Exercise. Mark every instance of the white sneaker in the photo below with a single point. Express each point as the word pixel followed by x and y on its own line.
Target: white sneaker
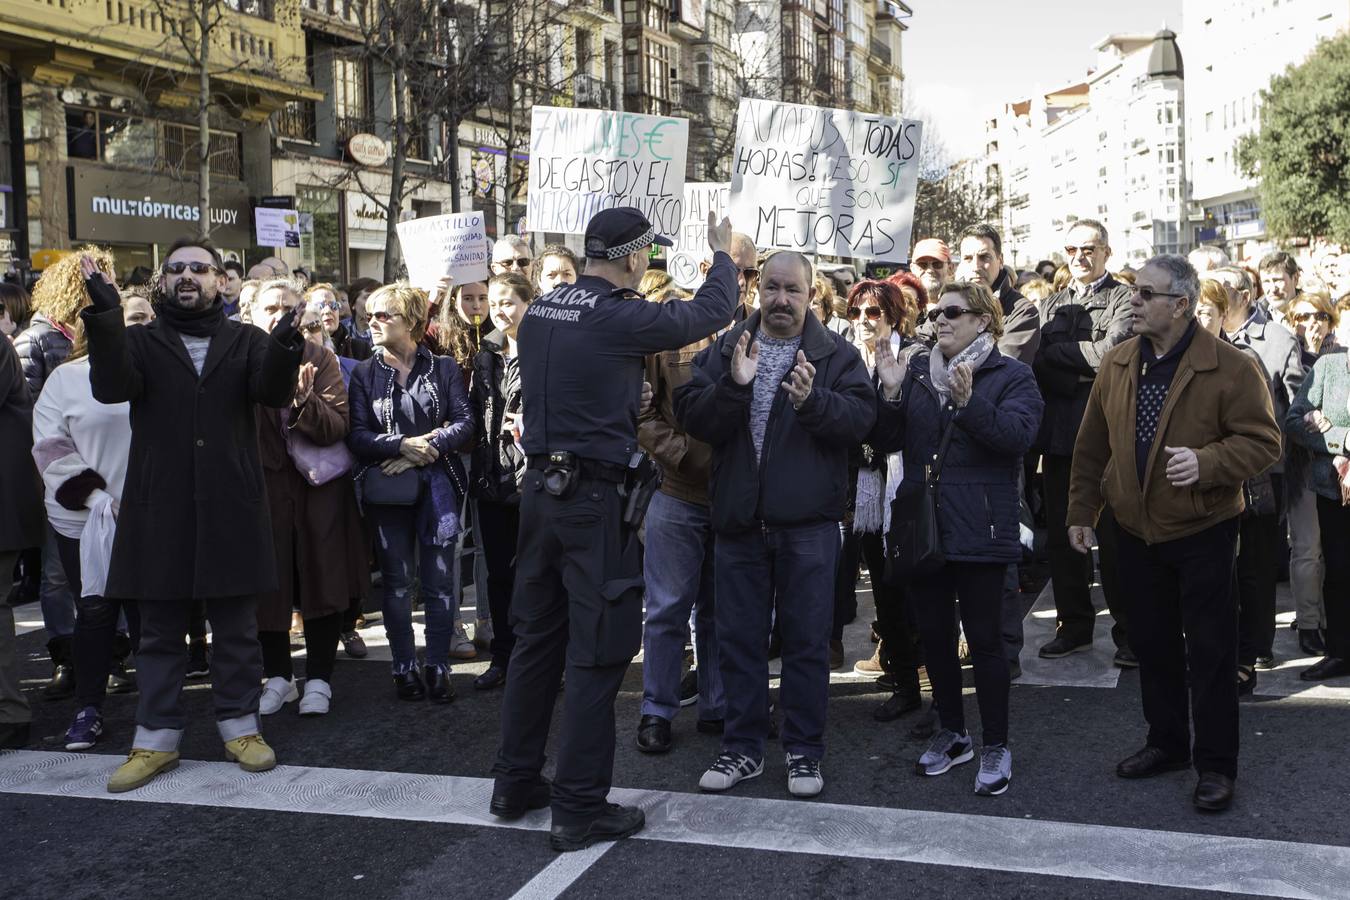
pixel 804 778
pixel 317 695
pixel 277 693
pixel 729 770
pixel 482 634
pixel 460 645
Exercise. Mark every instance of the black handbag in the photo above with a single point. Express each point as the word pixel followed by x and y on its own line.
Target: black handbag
pixel 380 489
pixel 914 545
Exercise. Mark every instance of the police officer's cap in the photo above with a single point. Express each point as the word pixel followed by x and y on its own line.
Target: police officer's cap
pixel 615 233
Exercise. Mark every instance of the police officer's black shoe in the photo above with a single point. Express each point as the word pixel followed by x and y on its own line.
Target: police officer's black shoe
pixel 439 688
pixel 513 806
pixel 614 824
pixel 409 685
pixel 653 735
pixel 495 676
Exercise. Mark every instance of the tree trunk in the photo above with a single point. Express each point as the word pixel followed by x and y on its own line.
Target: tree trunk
pixel 392 256
pixel 204 117
pixel 452 173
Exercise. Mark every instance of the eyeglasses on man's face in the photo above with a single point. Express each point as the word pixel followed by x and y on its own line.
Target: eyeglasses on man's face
pixel 196 268
pixel 1147 293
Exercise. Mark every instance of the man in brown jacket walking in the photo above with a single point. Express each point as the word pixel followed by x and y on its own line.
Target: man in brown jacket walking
pixel 1177 420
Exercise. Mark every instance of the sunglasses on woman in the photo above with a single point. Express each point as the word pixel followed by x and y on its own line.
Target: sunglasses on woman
pixel 1301 318
pixel 857 312
pixel 383 316
pixel 197 268
pixel 950 313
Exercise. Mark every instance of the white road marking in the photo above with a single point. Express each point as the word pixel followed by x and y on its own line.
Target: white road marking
pixel 1199 862
pixel 558 875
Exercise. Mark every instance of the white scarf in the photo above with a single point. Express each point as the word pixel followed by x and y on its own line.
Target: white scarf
pixel 975 354
pixel 872 506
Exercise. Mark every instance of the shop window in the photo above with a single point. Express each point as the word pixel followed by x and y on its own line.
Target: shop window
pixel 181 149
pixel 322 204
pixel 81 134
pixel 125 141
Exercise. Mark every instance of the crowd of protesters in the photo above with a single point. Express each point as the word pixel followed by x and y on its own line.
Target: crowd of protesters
pixel 1185 421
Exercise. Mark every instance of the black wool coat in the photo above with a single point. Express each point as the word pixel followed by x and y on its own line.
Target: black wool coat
pixel 194 518
pixel 21 512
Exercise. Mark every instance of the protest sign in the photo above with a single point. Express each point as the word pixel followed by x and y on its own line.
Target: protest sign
pixel 454 244
pixel 586 160
pixel 828 181
pixel 276 227
pixel 691 240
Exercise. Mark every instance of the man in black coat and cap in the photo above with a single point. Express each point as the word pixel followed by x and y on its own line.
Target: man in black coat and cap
pixel 192 377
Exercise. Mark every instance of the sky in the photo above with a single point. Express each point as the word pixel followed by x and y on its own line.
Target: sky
pixel 963 59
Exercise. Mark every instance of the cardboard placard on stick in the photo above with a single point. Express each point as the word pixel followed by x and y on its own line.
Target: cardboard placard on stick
pixel 586 160
pixel 454 244
pixel 827 181
pixel 691 240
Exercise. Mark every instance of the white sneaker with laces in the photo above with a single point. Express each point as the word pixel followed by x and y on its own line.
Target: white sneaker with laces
pixel 277 693
pixel 804 778
pixel 729 770
pixel 318 694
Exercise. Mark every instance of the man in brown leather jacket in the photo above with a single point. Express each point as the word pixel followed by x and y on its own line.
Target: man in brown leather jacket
pixel 679 543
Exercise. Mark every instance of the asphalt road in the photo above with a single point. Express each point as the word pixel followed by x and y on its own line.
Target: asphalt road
pixel 386 799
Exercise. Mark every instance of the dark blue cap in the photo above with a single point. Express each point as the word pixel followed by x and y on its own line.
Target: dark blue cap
pixel 615 233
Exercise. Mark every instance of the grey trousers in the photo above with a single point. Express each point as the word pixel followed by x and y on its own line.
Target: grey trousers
pixel 1306 567
pixel 161 664
pixel 13 704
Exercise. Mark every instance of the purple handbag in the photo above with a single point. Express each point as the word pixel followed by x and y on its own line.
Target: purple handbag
pixel 318 465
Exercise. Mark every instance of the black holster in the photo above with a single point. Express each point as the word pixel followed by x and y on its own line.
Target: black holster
pixel 640 485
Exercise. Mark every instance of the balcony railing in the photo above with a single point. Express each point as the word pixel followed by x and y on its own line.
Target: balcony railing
pixel 881 51
pixel 350 125
pixel 594 93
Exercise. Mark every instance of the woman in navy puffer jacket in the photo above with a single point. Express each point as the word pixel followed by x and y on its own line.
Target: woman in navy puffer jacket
pixel 994 407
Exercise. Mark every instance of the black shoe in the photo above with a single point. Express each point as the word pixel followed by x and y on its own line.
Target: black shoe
pixel 926 725
pixel 1149 762
pixel 354 645
pixel 898 704
pixel 886 682
pixel 120 681
pixel 614 824
pixel 495 676
pixel 409 685
pixel 1062 646
pixel 14 735
pixel 62 683
pixel 1310 642
pixel 711 726
pixel 536 796
pixel 1327 667
pixel 1246 680
pixel 439 688
pixel 653 735
pixel 689 688
pixel 1266 661
pixel 1125 659
pixel 1214 793
pixel 199 664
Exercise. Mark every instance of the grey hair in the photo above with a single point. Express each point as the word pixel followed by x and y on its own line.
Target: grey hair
pixel 1244 281
pixel 1183 278
pixel 514 241
pixel 1208 254
pixel 1094 225
pixel 805 263
pixel 282 284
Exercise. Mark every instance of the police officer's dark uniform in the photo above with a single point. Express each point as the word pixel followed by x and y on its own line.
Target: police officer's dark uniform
pixel 578 591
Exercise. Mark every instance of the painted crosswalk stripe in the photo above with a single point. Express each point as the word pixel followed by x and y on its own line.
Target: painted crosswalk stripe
pixel 1198 862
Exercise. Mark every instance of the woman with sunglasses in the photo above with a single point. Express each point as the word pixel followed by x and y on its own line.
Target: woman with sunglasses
pixel 410 418
pixel 1314 319
pixel 881 313
pixel 990 408
pixel 323 299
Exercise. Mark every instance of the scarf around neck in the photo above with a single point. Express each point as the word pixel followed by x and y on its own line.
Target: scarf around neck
pixel 196 322
pixel 941 373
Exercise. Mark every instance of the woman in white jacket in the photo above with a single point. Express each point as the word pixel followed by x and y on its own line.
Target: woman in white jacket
pixel 81 447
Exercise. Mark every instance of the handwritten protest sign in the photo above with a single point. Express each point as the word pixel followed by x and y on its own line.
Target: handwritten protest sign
pixel 586 160
pixel 276 227
pixel 825 180
pixel 436 246
pixel 691 240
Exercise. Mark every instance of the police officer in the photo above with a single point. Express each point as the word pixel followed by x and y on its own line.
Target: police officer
pixel 578 593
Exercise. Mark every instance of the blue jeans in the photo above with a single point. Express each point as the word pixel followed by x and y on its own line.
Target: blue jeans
pixel 54 594
pixel 402 560
pixel 679 543
pixel 798 565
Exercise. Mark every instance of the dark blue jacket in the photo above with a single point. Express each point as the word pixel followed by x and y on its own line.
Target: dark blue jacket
pixel 978 506
pixel 802 477
pixel 370 394
pixel 583 349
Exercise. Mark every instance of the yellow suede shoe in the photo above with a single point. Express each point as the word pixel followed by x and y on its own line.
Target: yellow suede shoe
pixel 252 753
pixel 140 767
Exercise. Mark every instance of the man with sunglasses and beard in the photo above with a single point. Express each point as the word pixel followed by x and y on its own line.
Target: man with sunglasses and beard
pixel 1078 326
pixel 192 377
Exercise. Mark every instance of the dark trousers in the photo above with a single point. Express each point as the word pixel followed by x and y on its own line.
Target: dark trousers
pixel 1258 564
pixel 896 626
pixel 95 630
pixel 846 582
pixel 321 640
pixel 1070 571
pixel 1010 621
pixel 1185 629
pixel 14 708
pixel 1334 520
pixel 578 604
pixel 979 588
pixel 798 566
pixel 161 660
pixel 499 531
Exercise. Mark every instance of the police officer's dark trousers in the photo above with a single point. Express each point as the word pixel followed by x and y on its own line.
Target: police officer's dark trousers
pixel 577 603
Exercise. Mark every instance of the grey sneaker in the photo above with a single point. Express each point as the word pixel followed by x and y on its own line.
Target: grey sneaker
pixel 804 778
pixel 946 749
pixel 729 770
pixel 995 771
